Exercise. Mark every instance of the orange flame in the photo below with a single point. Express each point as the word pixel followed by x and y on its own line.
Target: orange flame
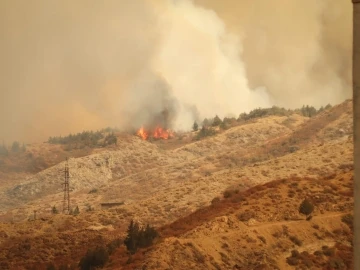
pixel 143 133
pixel 157 133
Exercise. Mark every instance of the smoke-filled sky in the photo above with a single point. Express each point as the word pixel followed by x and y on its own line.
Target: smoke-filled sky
pixel 68 66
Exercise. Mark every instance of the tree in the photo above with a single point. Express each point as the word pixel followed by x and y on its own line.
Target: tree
pixel 131 240
pixel 54 210
pixel 3 150
pixel 206 123
pixel 306 207
pixel 217 121
pixel 94 258
pixel 76 211
pixel 110 139
pixel 15 147
pixel 139 237
pixel 23 148
pixel 195 126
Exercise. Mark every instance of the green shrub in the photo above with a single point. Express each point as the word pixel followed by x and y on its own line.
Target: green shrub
pixel 94 258
pixel 295 240
pixel 205 132
pixel 306 207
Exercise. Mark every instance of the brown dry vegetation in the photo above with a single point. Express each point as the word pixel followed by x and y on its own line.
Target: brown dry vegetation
pixel 215 201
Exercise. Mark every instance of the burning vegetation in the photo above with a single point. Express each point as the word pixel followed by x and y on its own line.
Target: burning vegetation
pixel 156 133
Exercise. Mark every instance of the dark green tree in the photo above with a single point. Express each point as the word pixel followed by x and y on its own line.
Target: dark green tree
pixel 206 123
pixel 110 139
pixel 139 237
pixel 217 121
pixel 306 207
pixel 76 211
pixel 3 150
pixel 94 258
pixel 195 126
pixel 54 210
pixel 15 147
pixel 131 240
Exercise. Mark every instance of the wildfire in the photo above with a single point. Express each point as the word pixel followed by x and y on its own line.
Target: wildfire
pixel 143 133
pixel 157 133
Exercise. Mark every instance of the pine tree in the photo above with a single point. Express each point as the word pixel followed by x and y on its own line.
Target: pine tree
pixel 217 121
pixel 131 240
pixel 54 210
pixel 195 126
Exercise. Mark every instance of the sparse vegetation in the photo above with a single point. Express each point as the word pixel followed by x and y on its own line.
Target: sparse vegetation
pixel 86 139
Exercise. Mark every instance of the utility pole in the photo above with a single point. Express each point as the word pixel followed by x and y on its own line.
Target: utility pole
pixel 66 202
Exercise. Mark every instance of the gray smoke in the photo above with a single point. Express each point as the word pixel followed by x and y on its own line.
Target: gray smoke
pixel 74 65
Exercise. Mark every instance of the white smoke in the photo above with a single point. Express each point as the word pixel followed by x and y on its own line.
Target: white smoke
pixel 74 65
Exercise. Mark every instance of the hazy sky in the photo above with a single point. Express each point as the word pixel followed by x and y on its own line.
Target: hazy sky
pixel 68 65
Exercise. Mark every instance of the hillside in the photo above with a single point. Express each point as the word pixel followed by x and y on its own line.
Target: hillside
pixel 260 228
pixel 158 182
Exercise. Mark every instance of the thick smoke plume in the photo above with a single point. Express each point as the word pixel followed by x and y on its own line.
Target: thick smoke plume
pixel 74 65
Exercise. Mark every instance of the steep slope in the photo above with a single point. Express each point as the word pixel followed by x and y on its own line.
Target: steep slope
pixel 259 228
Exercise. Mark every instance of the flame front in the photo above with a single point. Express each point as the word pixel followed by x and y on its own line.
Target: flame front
pixel 157 133
pixel 143 133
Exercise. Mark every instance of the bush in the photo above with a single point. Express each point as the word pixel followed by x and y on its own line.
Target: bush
pixel 246 216
pixel 110 139
pixel 94 258
pixel 205 132
pixel 50 266
pixel 306 207
pixel 214 201
pixel 295 240
pixel 348 219
pixel 195 126
pixel 227 194
pixel 113 245
pixel 292 261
